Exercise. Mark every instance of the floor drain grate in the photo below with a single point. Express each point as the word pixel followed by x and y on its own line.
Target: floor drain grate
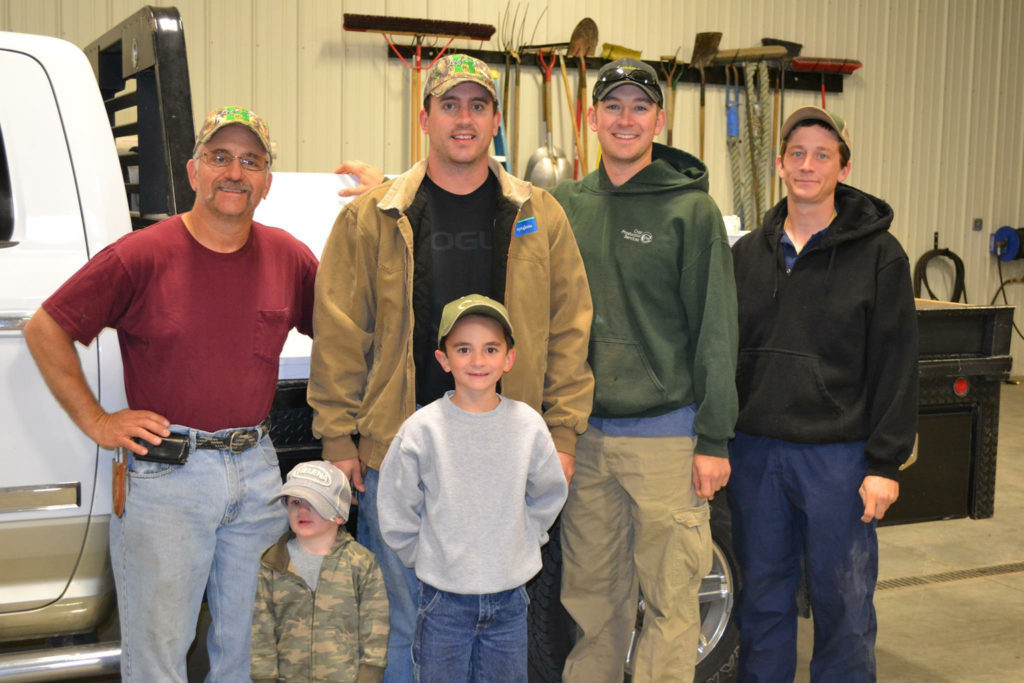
pixel 960 575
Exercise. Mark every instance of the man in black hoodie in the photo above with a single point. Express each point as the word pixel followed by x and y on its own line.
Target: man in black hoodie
pixel 827 382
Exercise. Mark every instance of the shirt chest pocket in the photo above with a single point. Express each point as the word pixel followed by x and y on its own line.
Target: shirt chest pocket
pixel 271 330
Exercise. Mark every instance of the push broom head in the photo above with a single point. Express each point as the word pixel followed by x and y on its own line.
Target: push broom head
pixel 407 26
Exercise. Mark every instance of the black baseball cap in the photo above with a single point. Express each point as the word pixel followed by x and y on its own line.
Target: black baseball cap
pixel 628 71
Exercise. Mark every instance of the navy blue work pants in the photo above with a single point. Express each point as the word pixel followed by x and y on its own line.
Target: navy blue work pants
pixel 792 502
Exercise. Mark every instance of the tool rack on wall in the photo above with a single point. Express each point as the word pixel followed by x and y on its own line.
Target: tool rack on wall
pixel 713 75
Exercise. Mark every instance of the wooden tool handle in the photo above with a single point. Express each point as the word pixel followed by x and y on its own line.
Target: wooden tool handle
pixel 414 126
pixel 575 128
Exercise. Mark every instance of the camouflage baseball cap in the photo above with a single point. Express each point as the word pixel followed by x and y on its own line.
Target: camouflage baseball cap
pixel 226 116
pixel 472 304
pixel 451 70
pixel 320 484
pixel 830 119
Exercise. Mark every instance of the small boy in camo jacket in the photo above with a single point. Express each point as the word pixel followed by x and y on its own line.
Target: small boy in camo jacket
pixel 321 610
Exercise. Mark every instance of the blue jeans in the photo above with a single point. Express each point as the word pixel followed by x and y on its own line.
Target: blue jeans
pixel 479 638
pixel 794 504
pixel 189 528
pixel 399 580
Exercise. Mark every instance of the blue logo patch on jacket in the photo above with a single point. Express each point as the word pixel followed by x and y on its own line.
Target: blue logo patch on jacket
pixel 525 227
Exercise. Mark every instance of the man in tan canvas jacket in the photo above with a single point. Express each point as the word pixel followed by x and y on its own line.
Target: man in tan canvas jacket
pixel 454 221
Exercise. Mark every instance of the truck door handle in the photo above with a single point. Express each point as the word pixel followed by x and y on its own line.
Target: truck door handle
pixel 40 497
pixel 14 321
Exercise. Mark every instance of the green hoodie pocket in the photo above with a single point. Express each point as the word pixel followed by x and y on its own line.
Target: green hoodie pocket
pixel 625 383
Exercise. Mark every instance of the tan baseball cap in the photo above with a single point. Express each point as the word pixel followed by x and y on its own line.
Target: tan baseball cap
pixel 229 116
pixel 320 484
pixel 831 119
pixel 473 304
pixel 452 70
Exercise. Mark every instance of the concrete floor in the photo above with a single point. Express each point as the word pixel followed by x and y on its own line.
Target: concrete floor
pixel 951 593
pixel 965 621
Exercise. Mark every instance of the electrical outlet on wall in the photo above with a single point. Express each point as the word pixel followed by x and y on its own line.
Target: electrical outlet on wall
pixel 978 224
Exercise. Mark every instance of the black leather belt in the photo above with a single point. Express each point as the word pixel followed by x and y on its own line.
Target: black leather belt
pixel 235 441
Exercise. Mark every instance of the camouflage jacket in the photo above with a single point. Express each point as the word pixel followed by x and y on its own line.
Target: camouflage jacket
pixel 338 633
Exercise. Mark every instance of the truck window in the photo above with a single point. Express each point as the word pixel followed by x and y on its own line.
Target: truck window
pixel 6 204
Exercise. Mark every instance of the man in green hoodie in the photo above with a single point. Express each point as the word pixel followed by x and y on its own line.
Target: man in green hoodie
pixel 663 351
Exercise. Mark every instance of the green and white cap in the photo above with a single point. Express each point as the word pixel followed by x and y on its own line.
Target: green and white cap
pixel 452 70
pixel 230 116
pixel 472 304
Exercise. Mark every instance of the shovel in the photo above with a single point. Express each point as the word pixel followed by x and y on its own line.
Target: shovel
pixel 582 44
pixel 547 166
pixel 705 46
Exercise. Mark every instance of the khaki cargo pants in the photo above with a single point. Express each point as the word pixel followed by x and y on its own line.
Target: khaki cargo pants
pixel 632 517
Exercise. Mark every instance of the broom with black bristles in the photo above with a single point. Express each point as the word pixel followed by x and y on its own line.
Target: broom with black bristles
pixel 419 29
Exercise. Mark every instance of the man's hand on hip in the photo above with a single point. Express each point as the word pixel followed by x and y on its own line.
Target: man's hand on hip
pixel 710 474
pixel 878 493
pixel 111 430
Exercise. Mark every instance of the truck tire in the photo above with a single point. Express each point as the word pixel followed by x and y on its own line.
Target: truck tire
pixel 552 632
pixel 719 648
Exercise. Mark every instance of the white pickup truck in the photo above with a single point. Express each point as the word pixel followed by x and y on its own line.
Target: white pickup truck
pixel 61 198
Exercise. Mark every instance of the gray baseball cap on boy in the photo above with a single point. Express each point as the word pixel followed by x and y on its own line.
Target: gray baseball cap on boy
pixel 320 484
pixel 473 304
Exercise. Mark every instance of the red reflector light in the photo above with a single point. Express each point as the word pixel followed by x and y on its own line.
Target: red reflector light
pixel 960 386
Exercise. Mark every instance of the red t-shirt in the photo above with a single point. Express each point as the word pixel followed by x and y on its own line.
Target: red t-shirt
pixel 200 331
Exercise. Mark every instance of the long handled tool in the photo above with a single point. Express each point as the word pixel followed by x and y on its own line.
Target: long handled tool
pixel 792 50
pixel 582 44
pixel 705 45
pixel 824 65
pixel 515 117
pixel 741 200
pixel 749 54
pixel 547 166
pixel 507 34
pixel 418 29
pixel 581 165
pixel 671 79
pixel 581 98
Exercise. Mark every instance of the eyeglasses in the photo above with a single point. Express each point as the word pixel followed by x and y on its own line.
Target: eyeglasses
pixel 248 162
pixel 641 77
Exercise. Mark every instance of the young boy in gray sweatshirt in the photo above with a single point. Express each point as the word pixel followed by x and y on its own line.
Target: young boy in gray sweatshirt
pixel 468 490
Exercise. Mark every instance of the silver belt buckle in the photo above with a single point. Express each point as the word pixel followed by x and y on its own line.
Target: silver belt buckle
pixel 240 446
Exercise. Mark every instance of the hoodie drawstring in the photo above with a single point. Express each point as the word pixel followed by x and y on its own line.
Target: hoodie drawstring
pixel 775 279
pixel 828 273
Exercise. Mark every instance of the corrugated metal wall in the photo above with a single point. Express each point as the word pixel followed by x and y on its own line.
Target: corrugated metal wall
pixel 936 111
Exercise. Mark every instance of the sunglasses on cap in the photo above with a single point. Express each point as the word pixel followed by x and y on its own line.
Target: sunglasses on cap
pixel 619 75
